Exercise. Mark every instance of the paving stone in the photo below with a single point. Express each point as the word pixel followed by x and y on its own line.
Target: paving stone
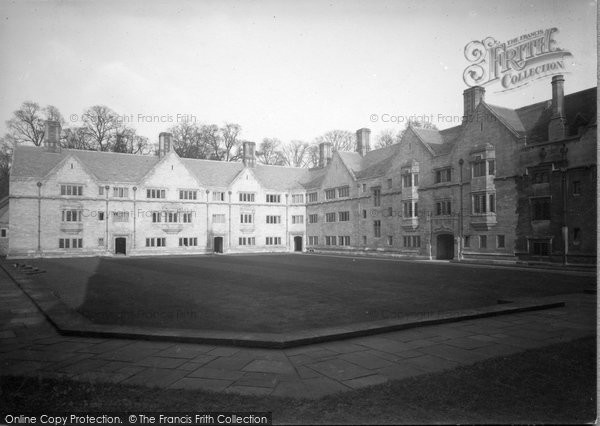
pixel 322 386
pixel 83 366
pixel 362 382
pixel 452 353
pixel 386 345
pixel 300 359
pixel 236 362
pixel 191 365
pixel 213 373
pixel 203 359
pixel 467 343
pixel 125 354
pixel 223 351
pixel 156 377
pixel 321 354
pixel 431 363
pixel 184 351
pixel 193 383
pixel 266 380
pixel 7 334
pixel 107 346
pixel 159 362
pixel 367 359
pixel 307 373
pixel 268 366
pixel 340 369
pixel 343 347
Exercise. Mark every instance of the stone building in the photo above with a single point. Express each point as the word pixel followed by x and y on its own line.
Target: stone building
pixel 506 184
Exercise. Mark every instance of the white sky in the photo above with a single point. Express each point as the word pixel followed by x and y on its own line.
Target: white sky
pixel 285 69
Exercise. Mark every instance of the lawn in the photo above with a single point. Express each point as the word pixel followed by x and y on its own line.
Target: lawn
pixel 278 293
pixel 552 385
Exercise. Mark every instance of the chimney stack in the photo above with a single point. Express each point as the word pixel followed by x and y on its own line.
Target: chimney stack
pixel 52 136
pixel 362 141
pixel 324 154
pixel 165 144
pixel 557 126
pixel 472 97
pixel 249 158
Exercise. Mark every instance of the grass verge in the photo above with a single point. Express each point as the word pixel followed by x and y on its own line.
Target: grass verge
pixel 555 384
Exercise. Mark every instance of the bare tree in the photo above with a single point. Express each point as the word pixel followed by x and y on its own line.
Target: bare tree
pixel 6 151
pixel 101 124
pixel 188 141
pixel 385 138
pixel 341 140
pixel 422 124
pixel 230 138
pixel 312 156
pixel 269 152
pixel 27 125
pixel 294 153
pixel 128 141
pixel 210 137
pixel 75 138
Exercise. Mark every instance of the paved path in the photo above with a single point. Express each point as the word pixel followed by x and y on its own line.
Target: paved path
pixel 29 345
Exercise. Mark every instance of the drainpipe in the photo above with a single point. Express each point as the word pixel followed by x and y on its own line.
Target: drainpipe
pixel 460 213
pixel 39 230
pixel 430 217
pixel 287 233
pixel 229 233
pixel 565 228
pixel 207 213
pixel 134 215
pixel 106 188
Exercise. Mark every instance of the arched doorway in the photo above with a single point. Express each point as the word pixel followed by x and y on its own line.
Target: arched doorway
pixel 218 245
pixel 445 246
pixel 120 245
pixel 297 243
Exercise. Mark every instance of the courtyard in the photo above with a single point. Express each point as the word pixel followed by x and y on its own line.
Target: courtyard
pixel 282 292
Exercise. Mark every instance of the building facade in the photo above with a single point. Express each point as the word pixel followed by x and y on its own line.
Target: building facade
pixel 506 184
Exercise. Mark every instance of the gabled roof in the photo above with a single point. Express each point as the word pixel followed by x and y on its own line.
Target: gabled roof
pixel 281 178
pixel 579 110
pixel 218 174
pixel 37 162
pixel 509 117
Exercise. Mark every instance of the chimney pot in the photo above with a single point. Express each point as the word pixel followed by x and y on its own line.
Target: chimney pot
pixel 165 144
pixel 249 158
pixel 362 141
pixel 52 136
pixel 472 97
pixel 324 154
pixel 557 126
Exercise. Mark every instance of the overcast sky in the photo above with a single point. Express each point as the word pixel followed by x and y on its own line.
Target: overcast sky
pixel 285 69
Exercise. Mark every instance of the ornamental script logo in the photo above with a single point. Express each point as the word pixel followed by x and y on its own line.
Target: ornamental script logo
pixel 515 63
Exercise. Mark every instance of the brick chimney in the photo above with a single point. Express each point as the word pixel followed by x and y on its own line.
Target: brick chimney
pixel 325 155
pixel 362 141
pixel 472 97
pixel 249 157
pixel 557 126
pixel 52 136
pixel 165 144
